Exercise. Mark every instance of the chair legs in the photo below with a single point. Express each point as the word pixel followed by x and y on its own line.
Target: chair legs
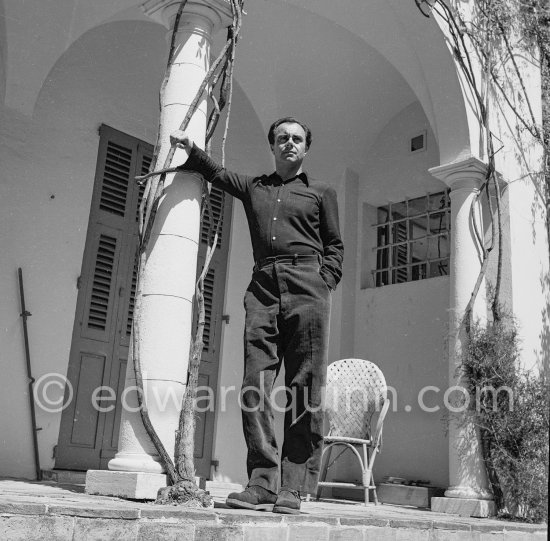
pixel 368 481
pixel 374 490
pixel 324 469
pixel 365 463
pixel 365 472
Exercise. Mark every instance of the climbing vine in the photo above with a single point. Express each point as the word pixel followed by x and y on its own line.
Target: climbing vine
pixel 219 78
pixel 487 49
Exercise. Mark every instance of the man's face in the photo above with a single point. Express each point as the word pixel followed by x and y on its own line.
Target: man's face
pixel 290 144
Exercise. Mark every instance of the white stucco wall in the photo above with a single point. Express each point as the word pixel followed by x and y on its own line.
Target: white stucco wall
pixel 402 327
pixel 48 167
pixel 525 279
pixel 530 274
pixel 520 164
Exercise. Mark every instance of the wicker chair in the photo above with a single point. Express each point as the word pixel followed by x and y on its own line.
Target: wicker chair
pixel 356 398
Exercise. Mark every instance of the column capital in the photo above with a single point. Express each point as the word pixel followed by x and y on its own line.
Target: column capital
pixel 217 12
pixel 468 173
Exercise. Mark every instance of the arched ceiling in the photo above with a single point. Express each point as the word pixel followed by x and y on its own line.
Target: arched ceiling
pixel 294 62
pixel 38 32
pixel 416 47
pixel 345 67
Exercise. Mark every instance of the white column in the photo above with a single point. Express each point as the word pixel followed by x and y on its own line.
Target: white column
pixel 468 492
pixel 170 271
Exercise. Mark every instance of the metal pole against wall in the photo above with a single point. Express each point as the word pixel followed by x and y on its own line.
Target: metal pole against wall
pixel 25 314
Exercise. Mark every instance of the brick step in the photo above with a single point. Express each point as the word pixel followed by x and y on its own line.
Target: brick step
pixel 66 477
pixel 40 521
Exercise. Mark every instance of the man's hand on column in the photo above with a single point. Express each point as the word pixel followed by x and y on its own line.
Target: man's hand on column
pixel 181 139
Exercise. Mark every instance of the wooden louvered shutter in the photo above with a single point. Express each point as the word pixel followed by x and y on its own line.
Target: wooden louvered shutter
pixel 144 156
pixel 208 305
pixel 132 302
pixel 217 204
pixel 142 153
pixel 102 280
pixel 98 315
pixel 114 189
pixel 111 208
pixel 101 335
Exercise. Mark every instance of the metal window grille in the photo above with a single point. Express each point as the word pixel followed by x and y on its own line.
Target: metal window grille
pixel 413 239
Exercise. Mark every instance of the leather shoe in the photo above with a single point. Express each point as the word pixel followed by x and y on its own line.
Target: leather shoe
pixel 253 497
pixel 288 502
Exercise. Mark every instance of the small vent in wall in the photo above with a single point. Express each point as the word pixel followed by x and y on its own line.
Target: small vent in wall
pixel 418 142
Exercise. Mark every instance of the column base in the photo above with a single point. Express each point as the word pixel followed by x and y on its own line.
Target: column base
pixel 465 507
pixel 125 484
pixel 136 462
pixel 468 493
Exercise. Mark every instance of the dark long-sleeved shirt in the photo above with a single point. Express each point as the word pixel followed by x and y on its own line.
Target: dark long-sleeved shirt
pixel 298 216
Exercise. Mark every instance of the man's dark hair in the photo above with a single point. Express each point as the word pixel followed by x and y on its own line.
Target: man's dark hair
pixel 288 120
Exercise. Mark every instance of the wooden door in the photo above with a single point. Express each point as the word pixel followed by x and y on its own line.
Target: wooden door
pixel 88 435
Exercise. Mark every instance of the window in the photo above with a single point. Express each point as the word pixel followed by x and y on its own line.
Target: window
pixel 413 239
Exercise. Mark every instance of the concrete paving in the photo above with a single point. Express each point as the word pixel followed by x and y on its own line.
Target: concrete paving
pixel 50 511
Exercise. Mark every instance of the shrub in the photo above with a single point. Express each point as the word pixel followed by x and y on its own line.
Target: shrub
pixel 512 413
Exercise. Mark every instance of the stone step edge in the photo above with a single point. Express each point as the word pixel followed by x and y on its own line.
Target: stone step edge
pixel 69 528
pixel 166 514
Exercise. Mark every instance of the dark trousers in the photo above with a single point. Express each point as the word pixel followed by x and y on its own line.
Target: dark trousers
pixel 287 320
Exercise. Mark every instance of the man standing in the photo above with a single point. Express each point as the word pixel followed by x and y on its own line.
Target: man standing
pixel 298 252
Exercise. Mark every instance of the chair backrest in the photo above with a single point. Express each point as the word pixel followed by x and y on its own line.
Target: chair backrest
pixel 356 389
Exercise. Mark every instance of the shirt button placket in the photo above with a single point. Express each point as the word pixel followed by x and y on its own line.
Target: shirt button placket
pixel 274 236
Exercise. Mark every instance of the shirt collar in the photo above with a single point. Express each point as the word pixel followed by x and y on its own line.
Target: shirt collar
pixel 303 176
